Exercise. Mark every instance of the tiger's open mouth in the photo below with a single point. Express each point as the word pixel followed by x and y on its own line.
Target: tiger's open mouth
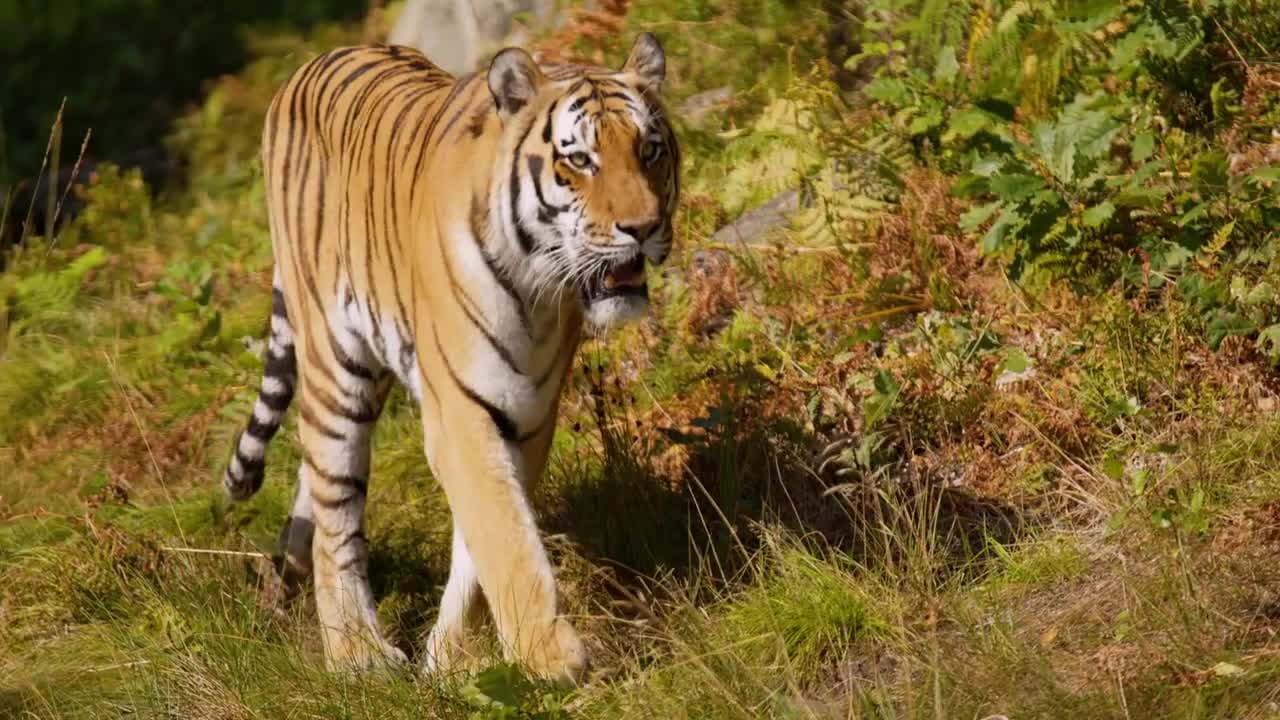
pixel 623 279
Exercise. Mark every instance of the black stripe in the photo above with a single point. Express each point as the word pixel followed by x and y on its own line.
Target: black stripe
pixel 465 302
pixel 359 416
pixel 319 211
pixel 260 430
pixel 503 280
pixel 334 504
pixel 347 538
pixel 330 72
pixel 546 128
pixel 507 428
pixel 391 162
pixel 444 132
pixel 350 77
pixel 535 169
pixel 526 240
pixel 316 363
pixel 353 482
pixel 546 374
pixel 347 362
pixel 425 145
pixel 576 105
pixel 357 117
pixel 309 417
pixel 277 303
pixel 295 89
pixel 284 365
pixel 252 467
pixel 306 158
pixel 276 402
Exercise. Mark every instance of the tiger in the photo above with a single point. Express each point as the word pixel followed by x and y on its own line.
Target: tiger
pixel 457 236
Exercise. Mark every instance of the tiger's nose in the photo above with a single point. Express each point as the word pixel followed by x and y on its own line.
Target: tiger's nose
pixel 638 231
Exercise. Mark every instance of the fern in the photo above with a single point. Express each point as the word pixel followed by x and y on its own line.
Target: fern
pixel 937 24
pixel 836 206
pixel 49 297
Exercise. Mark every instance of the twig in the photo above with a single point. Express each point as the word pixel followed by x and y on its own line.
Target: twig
pixel 880 314
pixel 155 466
pixel 213 551
pixel 120 666
pixel 51 188
pixel 44 162
pixel 75 173
pixel 796 249
pixel 1248 71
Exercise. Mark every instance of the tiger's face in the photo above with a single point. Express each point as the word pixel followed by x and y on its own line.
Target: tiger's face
pixel 593 181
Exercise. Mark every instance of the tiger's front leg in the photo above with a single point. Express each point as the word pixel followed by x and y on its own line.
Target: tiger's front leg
pixel 484 478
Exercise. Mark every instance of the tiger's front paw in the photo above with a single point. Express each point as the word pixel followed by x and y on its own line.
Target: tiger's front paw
pixel 447 651
pixel 558 655
pixel 363 652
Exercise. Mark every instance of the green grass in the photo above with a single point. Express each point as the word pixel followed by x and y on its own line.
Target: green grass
pixel 860 474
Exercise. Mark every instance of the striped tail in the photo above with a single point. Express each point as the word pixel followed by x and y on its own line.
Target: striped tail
pixel 244 472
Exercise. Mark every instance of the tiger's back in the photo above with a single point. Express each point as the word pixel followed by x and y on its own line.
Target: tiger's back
pixel 451 235
pixel 349 141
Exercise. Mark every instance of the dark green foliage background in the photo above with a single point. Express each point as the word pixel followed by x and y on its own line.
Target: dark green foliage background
pixel 126 67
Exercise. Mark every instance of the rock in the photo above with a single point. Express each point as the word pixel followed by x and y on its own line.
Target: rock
pixel 751 228
pixel 754 225
pixel 456 34
pixel 696 107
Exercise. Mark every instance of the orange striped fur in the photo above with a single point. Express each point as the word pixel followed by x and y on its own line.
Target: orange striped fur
pixel 453 235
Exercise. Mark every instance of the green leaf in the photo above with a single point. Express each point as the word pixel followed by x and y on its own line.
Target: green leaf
pixel 1144 146
pixel 967 123
pixel 1197 212
pixel 1221 96
pixel 500 686
pixel 998 233
pixel 975 217
pixel 1209 171
pixel 1174 256
pixel 889 91
pixel 1015 187
pixel 1015 361
pixel 986 165
pixel 1269 174
pixel 946 68
pixel 1095 216
pixel 1226 323
pixel 926 121
pixel 1268 342
pixel 1226 669
pixel 882 400
pixel 1113 467
pixel 1139 198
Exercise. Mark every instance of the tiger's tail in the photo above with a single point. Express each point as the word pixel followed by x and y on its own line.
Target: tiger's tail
pixel 245 470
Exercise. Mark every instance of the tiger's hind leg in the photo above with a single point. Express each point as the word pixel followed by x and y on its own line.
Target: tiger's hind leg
pixel 294 545
pixel 340 398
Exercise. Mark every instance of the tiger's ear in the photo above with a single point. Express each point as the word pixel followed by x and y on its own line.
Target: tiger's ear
pixel 514 79
pixel 647 61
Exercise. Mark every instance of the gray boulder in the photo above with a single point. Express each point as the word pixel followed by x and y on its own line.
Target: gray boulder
pixel 457 34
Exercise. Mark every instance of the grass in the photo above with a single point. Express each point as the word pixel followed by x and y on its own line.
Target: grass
pixel 855 473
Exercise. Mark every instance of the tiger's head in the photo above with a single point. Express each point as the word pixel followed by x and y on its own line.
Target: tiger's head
pixel 591 178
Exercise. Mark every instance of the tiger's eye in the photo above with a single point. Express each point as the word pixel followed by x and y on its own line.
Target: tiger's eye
pixel 650 152
pixel 580 160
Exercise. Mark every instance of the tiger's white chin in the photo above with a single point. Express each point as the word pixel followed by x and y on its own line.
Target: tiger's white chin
pixel 605 313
